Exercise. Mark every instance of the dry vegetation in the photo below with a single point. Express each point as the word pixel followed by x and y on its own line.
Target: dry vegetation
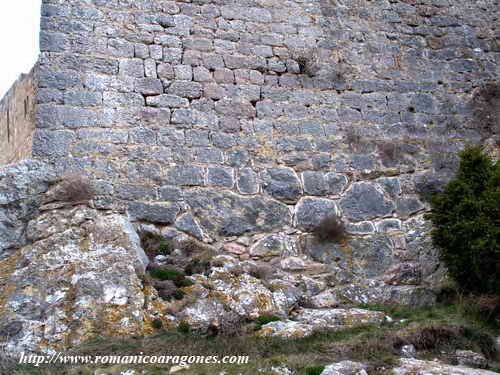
pixel 74 188
pixel 331 228
pixel 435 332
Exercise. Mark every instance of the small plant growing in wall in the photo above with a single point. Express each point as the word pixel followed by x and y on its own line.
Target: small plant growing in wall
pixel 154 244
pixel 308 60
pixel 73 188
pixel 466 218
pixel 331 228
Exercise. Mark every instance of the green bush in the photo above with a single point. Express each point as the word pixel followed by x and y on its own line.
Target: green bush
pixel 178 294
pixel 166 274
pixel 164 247
pixel 264 319
pixel 180 283
pixel 466 218
pixel 157 324
pixel 184 327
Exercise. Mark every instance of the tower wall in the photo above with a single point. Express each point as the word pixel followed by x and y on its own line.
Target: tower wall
pixel 243 118
pixel 17 120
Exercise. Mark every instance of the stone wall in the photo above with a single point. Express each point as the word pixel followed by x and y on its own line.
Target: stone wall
pixel 232 118
pixel 17 123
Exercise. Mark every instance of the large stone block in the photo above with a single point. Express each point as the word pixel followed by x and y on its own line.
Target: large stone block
pixel 363 201
pixel 162 213
pixel 220 177
pixel 186 89
pixel 228 214
pixel 309 212
pixel 190 175
pixel 282 184
pixel 47 143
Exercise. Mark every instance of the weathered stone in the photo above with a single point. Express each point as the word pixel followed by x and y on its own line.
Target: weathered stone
pixel 148 86
pixel 318 183
pixel 248 181
pixel 309 212
pixel 345 368
pixel 389 225
pixel 364 256
pixel 407 207
pixel 187 223
pixel 235 248
pixel 229 214
pixel 307 321
pixel 167 101
pixel 410 366
pixel 377 292
pixel 221 177
pixel 185 89
pixel 238 108
pixel 189 175
pixel 403 274
pixel 471 359
pixel 364 227
pixel 153 212
pixel 282 184
pixel 132 67
pixel 408 351
pixel 21 189
pixel 363 201
pixel 273 245
pixel 88 246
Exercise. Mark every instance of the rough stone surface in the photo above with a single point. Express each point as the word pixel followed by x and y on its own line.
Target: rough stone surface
pixel 311 211
pixel 308 321
pixel 345 368
pixel 415 366
pixel 228 214
pixel 377 292
pixel 21 195
pixel 80 277
pixel 213 118
pixel 364 202
pixel 282 184
pixel 368 256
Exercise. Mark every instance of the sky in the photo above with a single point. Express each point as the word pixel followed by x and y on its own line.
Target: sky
pixel 19 28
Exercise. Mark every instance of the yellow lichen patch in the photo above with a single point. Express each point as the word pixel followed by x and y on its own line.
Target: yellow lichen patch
pixel 118 322
pixel 223 298
pixel 148 325
pixel 264 302
pixel 84 244
pixel 7 268
pixel 264 332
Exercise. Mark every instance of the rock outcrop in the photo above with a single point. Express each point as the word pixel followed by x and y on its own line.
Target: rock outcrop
pixel 81 276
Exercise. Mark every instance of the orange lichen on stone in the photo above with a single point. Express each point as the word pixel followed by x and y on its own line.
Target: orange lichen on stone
pixel 7 268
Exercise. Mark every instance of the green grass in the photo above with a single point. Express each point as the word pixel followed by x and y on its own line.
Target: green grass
pixel 314 370
pixel 164 247
pixel 180 283
pixel 264 319
pixel 166 274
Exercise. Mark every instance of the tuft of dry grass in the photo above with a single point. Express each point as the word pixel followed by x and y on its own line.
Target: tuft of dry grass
pixel 331 228
pixel 74 188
